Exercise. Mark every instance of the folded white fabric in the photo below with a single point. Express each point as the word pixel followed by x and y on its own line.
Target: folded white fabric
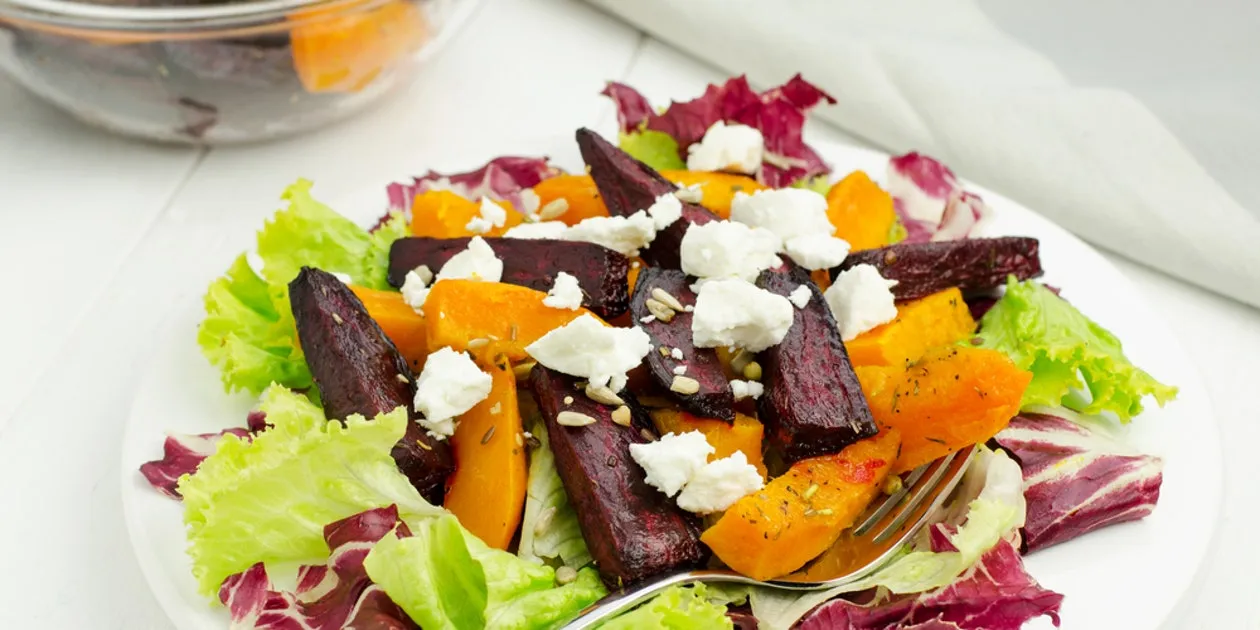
pixel 940 77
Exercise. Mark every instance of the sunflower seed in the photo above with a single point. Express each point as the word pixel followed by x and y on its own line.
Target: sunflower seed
pixel 573 419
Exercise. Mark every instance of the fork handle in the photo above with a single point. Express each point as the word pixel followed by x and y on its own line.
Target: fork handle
pixel 619 601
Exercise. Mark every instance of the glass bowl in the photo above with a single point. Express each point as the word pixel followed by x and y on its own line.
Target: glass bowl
pixel 219 72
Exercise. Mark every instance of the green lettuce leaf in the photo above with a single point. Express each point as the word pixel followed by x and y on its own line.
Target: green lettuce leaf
pixel 654 148
pixel 267 500
pixel 1043 333
pixel 248 332
pixel 549 528
pixel 447 579
pixel 677 608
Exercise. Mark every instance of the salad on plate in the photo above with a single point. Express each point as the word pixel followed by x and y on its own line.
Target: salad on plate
pixel 523 389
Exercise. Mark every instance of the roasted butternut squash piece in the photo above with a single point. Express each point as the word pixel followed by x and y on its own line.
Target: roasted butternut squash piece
pixel 444 214
pixel 800 514
pixel 487 491
pixel 341 49
pixel 718 188
pixel 861 211
pixel 949 399
pixel 744 435
pixel 936 320
pixel 401 323
pixel 505 317
pixel 580 193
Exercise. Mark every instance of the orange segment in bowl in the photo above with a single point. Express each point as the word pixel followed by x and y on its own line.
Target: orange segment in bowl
pixel 343 49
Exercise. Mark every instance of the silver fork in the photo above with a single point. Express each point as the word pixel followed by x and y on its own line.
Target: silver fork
pixel 878 533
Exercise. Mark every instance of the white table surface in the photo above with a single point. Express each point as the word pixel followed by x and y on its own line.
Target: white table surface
pixel 100 236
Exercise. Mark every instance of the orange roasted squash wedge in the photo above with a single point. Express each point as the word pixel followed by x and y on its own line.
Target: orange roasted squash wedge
pixel 718 189
pixel 487 491
pixel 444 214
pixel 951 398
pixel 578 191
pixel 861 212
pixel 505 316
pixel 799 515
pixel 401 323
pixel 936 320
pixel 744 435
pixel 342 49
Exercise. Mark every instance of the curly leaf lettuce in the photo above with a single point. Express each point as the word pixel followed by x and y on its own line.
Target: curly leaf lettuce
pixel 678 608
pixel 654 148
pixel 549 528
pixel 267 500
pixel 447 579
pixel 248 332
pixel 1066 351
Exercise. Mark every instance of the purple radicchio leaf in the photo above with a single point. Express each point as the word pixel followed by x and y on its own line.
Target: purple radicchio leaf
pixel 1077 478
pixel 994 594
pixel 181 454
pixel 503 178
pixel 331 597
pixel 931 202
pixel 778 113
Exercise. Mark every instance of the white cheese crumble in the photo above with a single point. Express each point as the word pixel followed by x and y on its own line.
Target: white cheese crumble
pixel 546 229
pixel 672 460
pixel 565 293
pixel 816 251
pixel 449 385
pixel 676 354
pixel 665 210
pixel 861 300
pixel 799 297
pixel 736 313
pixel 690 194
pixel 623 234
pixel 788 212
pixel 720 484
pixel 588 349
pixel 721 249
pixel 491 215
pixel 415 288
pixel 747 389
pixel 478 262
pixel 343 277
pixel 727 148
pixel 680 370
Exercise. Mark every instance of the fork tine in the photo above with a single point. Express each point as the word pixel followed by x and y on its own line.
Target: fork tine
pixel 880 511
pixel 921 492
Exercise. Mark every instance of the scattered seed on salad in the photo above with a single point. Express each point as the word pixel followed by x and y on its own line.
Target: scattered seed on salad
pixel 634 264
pixel 667 298
pixel 573 419
pixel 513 331
pixel 402 378
pixel 647 435
pixel 520 440
pixel 688 308
pixel 565 575
pixel 893 485
pixel 489 434
pixel 825 512
pixel 752 371
pixel 659 309
pixel 479 342
pixel 568 400
pixel 611 462
pixel 809 492
pixel 647 319
pixel 621 416
pixel 496 409
pixel 337 318
pixel 689 194
pixel 522 370
pixel 664 350
pixel 553 209
pixel 424 446
pixel 684 385
pixel 676 354
pixel 604 395
pixel 740 359
pixel 532 441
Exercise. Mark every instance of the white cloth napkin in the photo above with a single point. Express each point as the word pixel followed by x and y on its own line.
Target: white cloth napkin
pixel 1054 107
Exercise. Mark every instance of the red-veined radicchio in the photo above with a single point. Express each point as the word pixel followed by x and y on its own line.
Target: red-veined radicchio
pixel 504 178
pixel 930 201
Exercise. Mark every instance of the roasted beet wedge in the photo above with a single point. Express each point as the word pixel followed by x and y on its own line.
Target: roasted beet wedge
pixel 633 530
pixel 813 404
pixel 974 264
pixel 532 263
pixel 714 399
pixel 628 186
pixel 358 370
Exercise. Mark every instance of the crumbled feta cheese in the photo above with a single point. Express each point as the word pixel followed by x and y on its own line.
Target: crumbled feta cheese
pixel 747 389
pixel 665 210
pixel 860 299
pixel 450 384
pixel 415 288
pixel 672 460
pixel 676 354
pixel 736 313
pixel 720 484
pixel 816 251
pixel 587 348
pixel 547 229
pixel 491 216
pixel 727 148
pixel 478 262
pixel 679 370
pixel 565 293
pixel 343 277
pixel 788 212
pixel 721 249
pixel 623 234
pixel 647 319
pixel 800 296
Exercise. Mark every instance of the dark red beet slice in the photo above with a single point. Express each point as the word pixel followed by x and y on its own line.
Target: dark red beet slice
pixel 813 404
pixel 358 370
pixel 628 186
pixel 714 400
pixel 532 263
pixel 633 530
pixel 974 264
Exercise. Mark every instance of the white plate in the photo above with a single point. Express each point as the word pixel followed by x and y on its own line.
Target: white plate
pixel 1127 576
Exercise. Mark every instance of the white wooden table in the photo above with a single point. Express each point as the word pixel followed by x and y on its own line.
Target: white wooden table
pixel 100 236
